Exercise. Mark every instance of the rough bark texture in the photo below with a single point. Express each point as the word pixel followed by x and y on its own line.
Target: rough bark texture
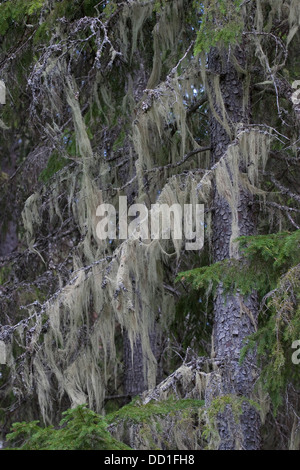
pixel 134 380
pixel 234 315
pixel 8 233
pixel 135 374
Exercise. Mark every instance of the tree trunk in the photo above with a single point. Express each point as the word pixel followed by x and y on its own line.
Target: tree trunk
pixel 8 224
pixel 135 367
pixel 234 315
pixel 134 381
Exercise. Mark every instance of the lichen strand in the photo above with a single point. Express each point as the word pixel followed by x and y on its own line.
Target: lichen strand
pixel 75 346
pixel 123 289
pixel 124 292
pixel 278 9
pixel 250 153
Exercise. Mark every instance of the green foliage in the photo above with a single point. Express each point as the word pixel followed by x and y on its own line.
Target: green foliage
pixel 83 429
pixel 264 259
pixel 270 265
pixel 164 424
pixel 221 23
pixel 42 33
pixel 278 251
pixel 4 274
pixel 73 10
pixel 274 339
pixel 138 413
pixel 158 5
pixel 56 162
pixel 67 9
pixel 109 9
pixel 16 12
pixel 80 429
pixel 119 141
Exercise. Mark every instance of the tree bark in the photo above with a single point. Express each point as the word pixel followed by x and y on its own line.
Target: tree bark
pixel 234 315
pixel 134 380
pixel 135 367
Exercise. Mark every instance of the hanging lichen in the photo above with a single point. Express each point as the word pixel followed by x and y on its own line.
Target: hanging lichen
pixel 120 98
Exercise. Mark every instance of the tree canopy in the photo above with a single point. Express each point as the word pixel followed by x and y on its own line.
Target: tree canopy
pixel 164 102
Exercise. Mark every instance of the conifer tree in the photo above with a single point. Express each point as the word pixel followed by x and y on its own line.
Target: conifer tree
pixel 164 102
